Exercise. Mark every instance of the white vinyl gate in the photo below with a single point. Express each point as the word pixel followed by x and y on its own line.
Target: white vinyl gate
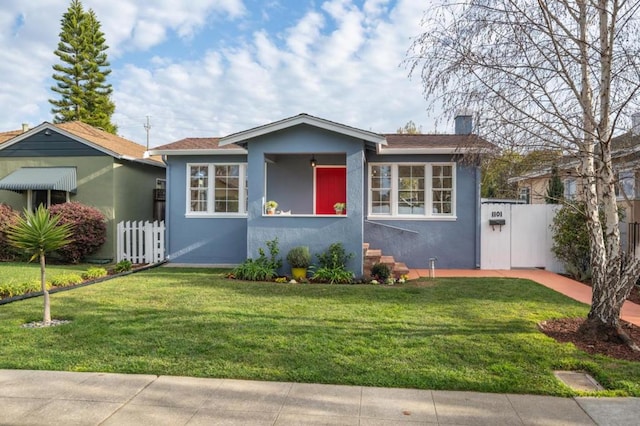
pixel 525 239
pixel 141 242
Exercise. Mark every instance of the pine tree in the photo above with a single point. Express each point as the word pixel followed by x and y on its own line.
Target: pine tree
pixel 81 76
pixel 555 190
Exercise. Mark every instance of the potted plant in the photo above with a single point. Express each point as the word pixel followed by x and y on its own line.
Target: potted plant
pixel 299 259
pixel 339 207
pixel 271 207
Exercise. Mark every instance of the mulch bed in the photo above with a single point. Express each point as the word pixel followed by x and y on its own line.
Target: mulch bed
pixel 565 330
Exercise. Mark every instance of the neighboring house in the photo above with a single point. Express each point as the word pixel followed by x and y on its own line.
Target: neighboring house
pixel 57 163
pixel 533 186
pixel 412 196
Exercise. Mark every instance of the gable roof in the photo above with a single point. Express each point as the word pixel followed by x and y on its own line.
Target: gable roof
pixel 5 136
pixel 100 140
pixel 383 143
pixel 241 138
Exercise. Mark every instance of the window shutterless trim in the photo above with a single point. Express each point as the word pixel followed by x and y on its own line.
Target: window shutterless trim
pixel 428 192
pixel 210 191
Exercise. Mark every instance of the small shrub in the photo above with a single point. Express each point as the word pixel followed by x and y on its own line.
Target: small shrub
pixel 64 280
pixel 299 257
pixel 253 270
pixel 89 230
pixel 263 268
pixel 571 241
pixel 123 266
pixel 333 266
pixel 7 217
pixel 333 275
pixel 334 257
pixel 380 272
pixel 94 273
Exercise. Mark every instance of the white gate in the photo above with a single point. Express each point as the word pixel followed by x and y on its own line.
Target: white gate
pixel 523 241
pixel 140 242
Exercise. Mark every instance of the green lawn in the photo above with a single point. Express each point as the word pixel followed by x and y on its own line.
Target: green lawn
pixel 19 272
pixel 463 334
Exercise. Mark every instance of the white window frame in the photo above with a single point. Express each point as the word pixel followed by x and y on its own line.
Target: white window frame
pixel 627 179
pixel 428 196
pixel 242 191
pixel 570 188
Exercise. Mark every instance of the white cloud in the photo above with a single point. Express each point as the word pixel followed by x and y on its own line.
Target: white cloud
pixel 336 60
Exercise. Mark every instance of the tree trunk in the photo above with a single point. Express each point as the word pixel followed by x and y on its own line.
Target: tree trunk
pixel 45 293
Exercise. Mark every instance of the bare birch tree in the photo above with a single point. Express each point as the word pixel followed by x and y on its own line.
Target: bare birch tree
pixel 556 74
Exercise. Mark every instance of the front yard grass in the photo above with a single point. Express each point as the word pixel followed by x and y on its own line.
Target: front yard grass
pixel 458 334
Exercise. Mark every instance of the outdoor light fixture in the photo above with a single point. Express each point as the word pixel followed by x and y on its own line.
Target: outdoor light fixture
pixel 313 161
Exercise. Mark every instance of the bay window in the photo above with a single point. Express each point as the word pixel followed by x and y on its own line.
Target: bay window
pixel 216 189
pixel 412 190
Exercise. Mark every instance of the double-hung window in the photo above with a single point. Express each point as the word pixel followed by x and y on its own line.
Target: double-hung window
pixel 216 189
pixel 412 190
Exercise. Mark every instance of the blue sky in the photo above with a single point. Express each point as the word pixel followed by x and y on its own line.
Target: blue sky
pixel 214 67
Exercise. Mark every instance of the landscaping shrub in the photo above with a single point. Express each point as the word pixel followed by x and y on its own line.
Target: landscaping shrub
pixel 7 216
pixel 299 257
pixel 571 241
pixel 89 230
pixel 335 257
pixel 333 266
pixel 64 280
pixel 380 272
pixel 18 288
pixel 94 273
pixel 263 268
pixel 123 266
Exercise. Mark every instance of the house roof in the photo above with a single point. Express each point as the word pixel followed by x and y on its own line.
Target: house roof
pixel 624 152
pixel 106 142
pixel 433 144
pixel 188 146
pixel 5 136
pixel 241 138
pixel 383 143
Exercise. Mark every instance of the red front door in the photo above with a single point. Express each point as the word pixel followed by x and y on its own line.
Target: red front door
pixel 331 188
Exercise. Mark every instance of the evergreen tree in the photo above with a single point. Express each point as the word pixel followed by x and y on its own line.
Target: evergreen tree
pixel 555 190
pixel 81 76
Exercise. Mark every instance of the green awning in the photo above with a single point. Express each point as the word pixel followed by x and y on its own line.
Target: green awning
pixel 55 178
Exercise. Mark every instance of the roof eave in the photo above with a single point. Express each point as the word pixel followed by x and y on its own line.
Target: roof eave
pixel 243 136
pixel 435 150
pixel 197 152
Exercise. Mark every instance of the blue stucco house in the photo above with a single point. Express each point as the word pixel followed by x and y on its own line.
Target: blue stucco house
pixel 414 197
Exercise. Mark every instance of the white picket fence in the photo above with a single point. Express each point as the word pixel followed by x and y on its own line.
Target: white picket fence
pixel 141 242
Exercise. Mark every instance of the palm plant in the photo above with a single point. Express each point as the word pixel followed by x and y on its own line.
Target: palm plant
pixel 36 234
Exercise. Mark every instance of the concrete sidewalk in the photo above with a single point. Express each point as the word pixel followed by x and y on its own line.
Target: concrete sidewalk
pixel 64 398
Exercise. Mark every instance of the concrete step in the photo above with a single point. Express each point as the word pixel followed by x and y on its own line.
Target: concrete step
pixel 400 269
pixel 373 253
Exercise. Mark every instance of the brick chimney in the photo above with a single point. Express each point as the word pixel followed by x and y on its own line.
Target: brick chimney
pixel 463 123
